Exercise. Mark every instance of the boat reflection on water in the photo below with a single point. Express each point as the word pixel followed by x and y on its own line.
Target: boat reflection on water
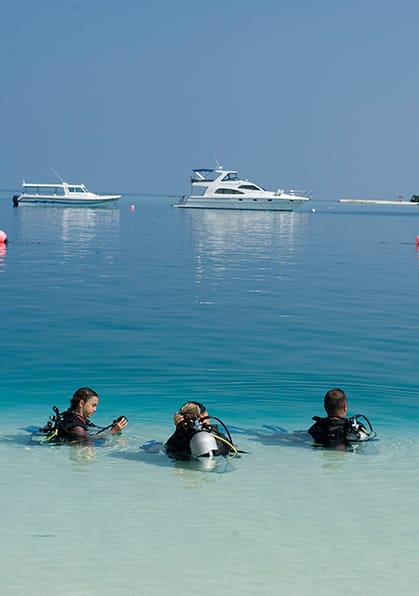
pixel 85 228
pixel 3 251
pixel 223 231
pixel 228 241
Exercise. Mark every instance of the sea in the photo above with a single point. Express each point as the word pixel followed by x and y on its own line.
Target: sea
pixel 254 314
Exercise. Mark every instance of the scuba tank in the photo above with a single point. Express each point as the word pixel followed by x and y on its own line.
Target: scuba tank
pixel 49 432
pixel 195 439
pixel 359 428
pixel 203 444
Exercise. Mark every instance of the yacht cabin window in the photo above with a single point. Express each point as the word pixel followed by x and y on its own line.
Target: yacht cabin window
pixel 230 176
pixel 249 187
pixel 228 191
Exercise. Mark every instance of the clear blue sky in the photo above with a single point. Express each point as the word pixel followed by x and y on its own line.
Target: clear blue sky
pixel 130 95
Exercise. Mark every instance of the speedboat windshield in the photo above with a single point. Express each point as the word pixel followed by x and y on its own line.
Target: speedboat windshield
pixel 77 189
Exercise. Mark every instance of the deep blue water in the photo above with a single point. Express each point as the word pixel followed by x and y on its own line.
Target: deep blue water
pixel 255 314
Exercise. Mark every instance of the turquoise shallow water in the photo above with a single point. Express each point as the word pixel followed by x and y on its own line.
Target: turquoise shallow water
pixel 256 315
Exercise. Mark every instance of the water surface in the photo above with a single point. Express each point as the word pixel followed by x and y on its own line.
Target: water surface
pixel 255 314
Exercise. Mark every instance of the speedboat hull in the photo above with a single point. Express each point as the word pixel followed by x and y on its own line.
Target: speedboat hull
pixel 33 200
pixel 62 193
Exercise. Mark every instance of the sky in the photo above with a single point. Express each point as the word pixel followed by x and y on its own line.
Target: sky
pixel 128 96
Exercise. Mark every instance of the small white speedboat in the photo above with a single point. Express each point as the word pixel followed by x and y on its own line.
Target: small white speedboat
pixel 61 194
pixel 222 189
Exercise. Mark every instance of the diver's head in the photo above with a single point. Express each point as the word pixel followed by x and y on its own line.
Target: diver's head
pixel 193 410
pixel 84 402
pixel 335 402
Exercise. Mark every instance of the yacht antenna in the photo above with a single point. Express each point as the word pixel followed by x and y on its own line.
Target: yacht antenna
pixel 217 163
pixel 58 176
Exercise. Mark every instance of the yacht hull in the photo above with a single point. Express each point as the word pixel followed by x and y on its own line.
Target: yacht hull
pixel 247 204
pixel 222 189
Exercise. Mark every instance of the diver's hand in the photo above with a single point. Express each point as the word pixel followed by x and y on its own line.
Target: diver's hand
pixel 119 424
pixel 178 418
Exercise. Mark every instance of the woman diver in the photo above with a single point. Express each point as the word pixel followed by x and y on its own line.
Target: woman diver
pixel 73 424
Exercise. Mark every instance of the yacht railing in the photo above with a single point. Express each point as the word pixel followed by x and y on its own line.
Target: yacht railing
pixel 301 193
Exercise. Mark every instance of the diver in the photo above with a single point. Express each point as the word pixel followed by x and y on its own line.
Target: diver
pixel 195 436
pixel 336 430
pixel 74 424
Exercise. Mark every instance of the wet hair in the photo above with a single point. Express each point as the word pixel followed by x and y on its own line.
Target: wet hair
pixel 189 404
pixel 192 409
pixel 84 393
pixel 334 402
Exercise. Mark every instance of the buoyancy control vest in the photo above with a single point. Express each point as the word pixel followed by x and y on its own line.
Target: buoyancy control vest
pixel 60 427
pixel 329 432
pixel 178 445
pixel 335 430
pixel 68 422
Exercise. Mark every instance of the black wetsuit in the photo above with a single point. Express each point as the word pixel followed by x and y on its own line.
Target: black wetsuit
pixel 178 444
pixel 331 431
pixel 67 424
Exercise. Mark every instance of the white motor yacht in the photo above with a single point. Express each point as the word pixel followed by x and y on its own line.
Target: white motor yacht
pixel 61 194
pixel 222 189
